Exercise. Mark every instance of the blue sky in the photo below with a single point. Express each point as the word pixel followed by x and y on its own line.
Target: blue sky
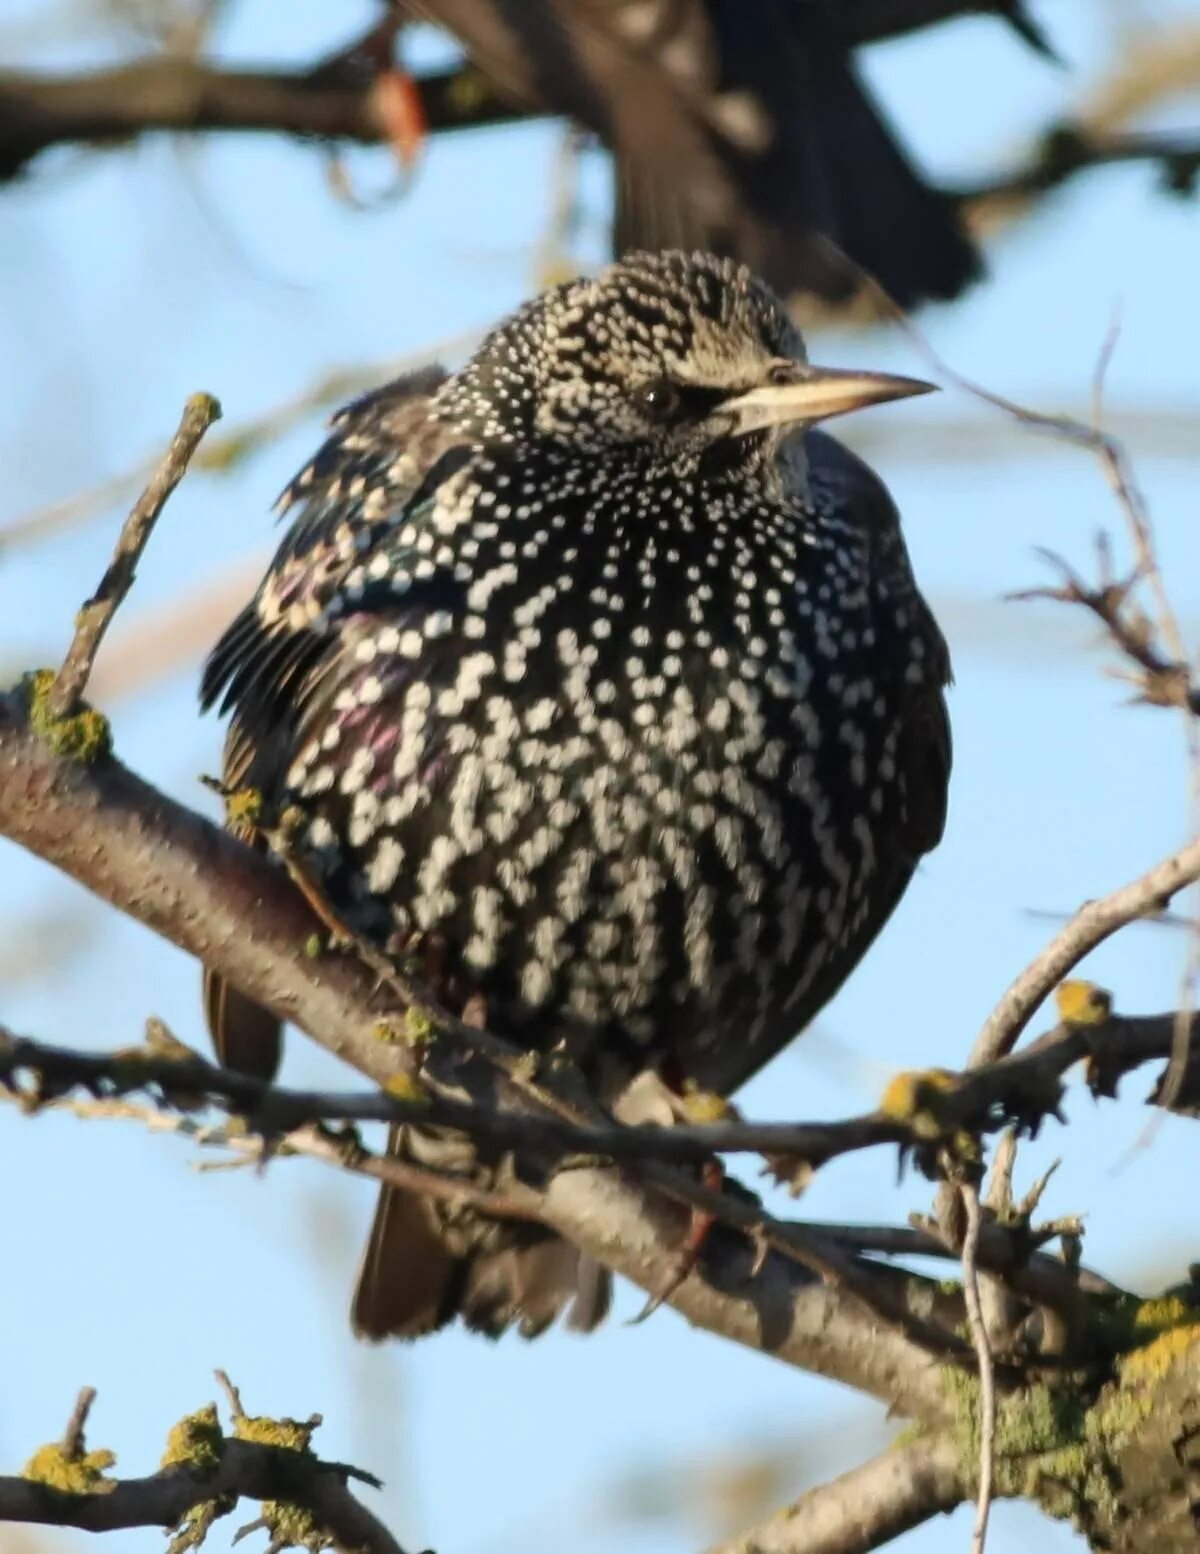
pixel 130 280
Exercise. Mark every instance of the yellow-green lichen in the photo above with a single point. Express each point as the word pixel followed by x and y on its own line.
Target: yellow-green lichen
pixel 83 1474
pixel 195 1443
pixel 1058 1447
pixel 1151 1361
pixel 314 947
pixel 406 1088
pixel 289 1525
pixel 1082 1003
pixel 203 404
pixel 1044 1448
pixel 703 1106
pixel 467 91
pixel 1128 1323
pixel 920 1097
pixel 83 736
pixel 244 808
pixel 419 1029
pixel 416 1029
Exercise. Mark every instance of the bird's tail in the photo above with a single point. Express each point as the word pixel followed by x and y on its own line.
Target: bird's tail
pixel 245 1036
pixel 430 1260
pixel 828 177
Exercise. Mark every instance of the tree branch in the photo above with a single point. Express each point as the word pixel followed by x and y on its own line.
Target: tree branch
pixel 229 1469
pixel 214 898
pixel 1091 925
pixel 94 619
pixel 1068 150
pixel 187 95
pixel 1023 1087
pixel 864 1508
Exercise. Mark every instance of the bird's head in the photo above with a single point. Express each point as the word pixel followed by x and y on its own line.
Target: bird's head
pixel 679 353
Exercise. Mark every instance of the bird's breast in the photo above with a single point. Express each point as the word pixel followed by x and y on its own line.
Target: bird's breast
pixel 630 771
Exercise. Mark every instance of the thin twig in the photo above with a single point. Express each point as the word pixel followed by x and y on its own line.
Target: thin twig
pixel 1024 1086
pixel 233 1396
pixel 73 1442
pixel 983 1352
pixel 229 449
pixel 96 615
pixel 1090 926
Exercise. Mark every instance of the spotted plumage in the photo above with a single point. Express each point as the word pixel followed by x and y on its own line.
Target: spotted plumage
pixel 595 666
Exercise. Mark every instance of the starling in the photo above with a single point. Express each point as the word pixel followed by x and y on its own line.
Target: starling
pixel 595 667
pixel 737 126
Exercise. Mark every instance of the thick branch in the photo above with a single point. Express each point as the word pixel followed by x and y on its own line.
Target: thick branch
pixel 864 1508
pixel 202 891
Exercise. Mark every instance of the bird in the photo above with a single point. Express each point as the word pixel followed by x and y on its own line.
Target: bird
pixel 743 129
pixel 596 673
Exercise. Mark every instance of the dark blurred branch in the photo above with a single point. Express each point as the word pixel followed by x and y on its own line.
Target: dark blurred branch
pixel 865 1508
pixel 342 102
pixel 184 95
pixel 874 21
pixel 1072 149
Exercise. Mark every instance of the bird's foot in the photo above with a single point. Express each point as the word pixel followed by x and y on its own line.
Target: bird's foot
pixel 690 1250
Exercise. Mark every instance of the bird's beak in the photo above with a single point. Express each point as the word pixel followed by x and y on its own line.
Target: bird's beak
pixel 796 392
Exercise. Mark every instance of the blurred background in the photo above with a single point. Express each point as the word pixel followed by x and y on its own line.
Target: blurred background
pixel 264 270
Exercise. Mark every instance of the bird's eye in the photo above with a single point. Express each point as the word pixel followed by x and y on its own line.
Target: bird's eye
pixel 660 400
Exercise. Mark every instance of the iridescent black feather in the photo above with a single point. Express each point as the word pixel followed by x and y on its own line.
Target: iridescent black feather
pixel 617 693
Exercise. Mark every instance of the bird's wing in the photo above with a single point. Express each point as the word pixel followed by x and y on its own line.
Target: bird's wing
pixel 383 454
pixel 382 451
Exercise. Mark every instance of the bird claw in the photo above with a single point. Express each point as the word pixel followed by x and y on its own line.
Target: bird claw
pixel 690 1250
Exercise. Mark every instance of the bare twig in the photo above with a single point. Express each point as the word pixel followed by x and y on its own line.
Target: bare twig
pixel 1024 1086
pixel 1091 925
pixel 96 615
pixel 73 1444
pixel 983 1353
pixel 232 1396
pixel 1162 681
pixel 227 450
pixel 1011 1253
